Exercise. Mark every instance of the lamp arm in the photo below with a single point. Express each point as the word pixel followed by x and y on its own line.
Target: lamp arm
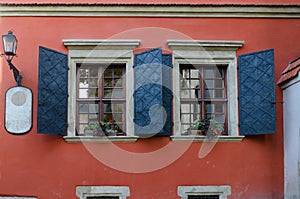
pixel 17 76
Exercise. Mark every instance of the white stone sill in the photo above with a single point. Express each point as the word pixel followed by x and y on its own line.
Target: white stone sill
pixel 187 138
pixel 104 139
pixel 201 138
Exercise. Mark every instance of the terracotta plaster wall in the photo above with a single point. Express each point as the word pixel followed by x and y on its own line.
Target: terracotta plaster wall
pixel 47 167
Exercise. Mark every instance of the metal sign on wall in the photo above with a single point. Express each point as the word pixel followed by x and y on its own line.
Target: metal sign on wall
pixel 18 110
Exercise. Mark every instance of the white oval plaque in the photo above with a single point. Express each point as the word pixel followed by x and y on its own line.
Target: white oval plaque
pixel 18 110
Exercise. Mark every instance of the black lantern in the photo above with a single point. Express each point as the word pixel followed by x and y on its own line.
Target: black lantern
pixel 9 44
pixel 10 48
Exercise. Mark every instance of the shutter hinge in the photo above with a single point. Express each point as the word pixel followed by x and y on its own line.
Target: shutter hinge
pixel 279 102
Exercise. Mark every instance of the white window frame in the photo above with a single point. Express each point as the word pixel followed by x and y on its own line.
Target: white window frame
pixel 207 52
pixel 93 191
pixel 100 51
pixel 223 191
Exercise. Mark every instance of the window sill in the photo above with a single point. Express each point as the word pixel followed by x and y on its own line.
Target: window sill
pixel 104 139
pixel 201 138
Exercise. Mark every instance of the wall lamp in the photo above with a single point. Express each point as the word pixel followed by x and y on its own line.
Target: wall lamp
pixel 18 99
pixel 10 43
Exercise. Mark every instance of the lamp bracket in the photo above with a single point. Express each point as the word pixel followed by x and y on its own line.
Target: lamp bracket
pixel 17 76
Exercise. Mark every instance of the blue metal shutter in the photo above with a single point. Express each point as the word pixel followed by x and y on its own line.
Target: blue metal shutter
pixel 52 92
pixel 257 93
pixel 151 108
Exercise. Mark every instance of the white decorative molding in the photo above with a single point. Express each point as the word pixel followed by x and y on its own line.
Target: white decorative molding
pixel 150 10
pixel 222 191
pixel 199 138
pixel 92 191
pixel 103 139
pixel 210 52
pixel 99 51
pixel 206 44
pixel 92 43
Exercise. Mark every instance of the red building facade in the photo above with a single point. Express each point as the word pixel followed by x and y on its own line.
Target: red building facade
pixel 212 38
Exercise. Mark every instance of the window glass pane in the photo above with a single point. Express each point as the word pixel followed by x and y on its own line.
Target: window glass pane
pixel 118 117
pixel 84 72
pixel 118 83
pixel 81 129
pixel 219 93
pixel 209 108
pixel 108 72
pixel 83 83
pixel 107 116
pixel 195 108
pixel 185 108
pixel 117 108
pixel 93 118
pixel 209 94
pixel 93 71
pixel 209 116
pixel 209 73
pixel 185 73
pixel 194 73
pixel 117 93
pixel 93 82
pixel 220 118
pixel 195 84
pixel 219 107
pixel 118 72
pixel 83 93
pixel 83 118
pixel 196 117
pixel 219 83
pixel 185 93
pixel 83 108
pixel 184 83
pixel 107 108
pixel 93 92
pixel 107 82
pixel 184 127
pixel 93 108
pixel 185 118
pixel 197 92
pixel 107 93
pixel 210 83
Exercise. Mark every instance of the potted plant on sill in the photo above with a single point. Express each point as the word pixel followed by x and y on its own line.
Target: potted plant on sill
pixel 93 129
pixel 111 128
pixel 206 127
pixel 108 128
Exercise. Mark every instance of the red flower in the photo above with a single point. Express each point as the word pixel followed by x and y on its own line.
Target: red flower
pixel 110 121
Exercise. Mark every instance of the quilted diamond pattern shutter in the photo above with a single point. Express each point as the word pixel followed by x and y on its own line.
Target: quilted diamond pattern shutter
pixel 150 109
pixel 52 92
pixel 257 93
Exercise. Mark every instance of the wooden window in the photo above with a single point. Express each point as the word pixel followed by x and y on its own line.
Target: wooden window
pixel 100 95
pixel 203 94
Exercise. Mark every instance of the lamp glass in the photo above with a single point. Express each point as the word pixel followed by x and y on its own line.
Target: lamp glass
pixel 9 44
